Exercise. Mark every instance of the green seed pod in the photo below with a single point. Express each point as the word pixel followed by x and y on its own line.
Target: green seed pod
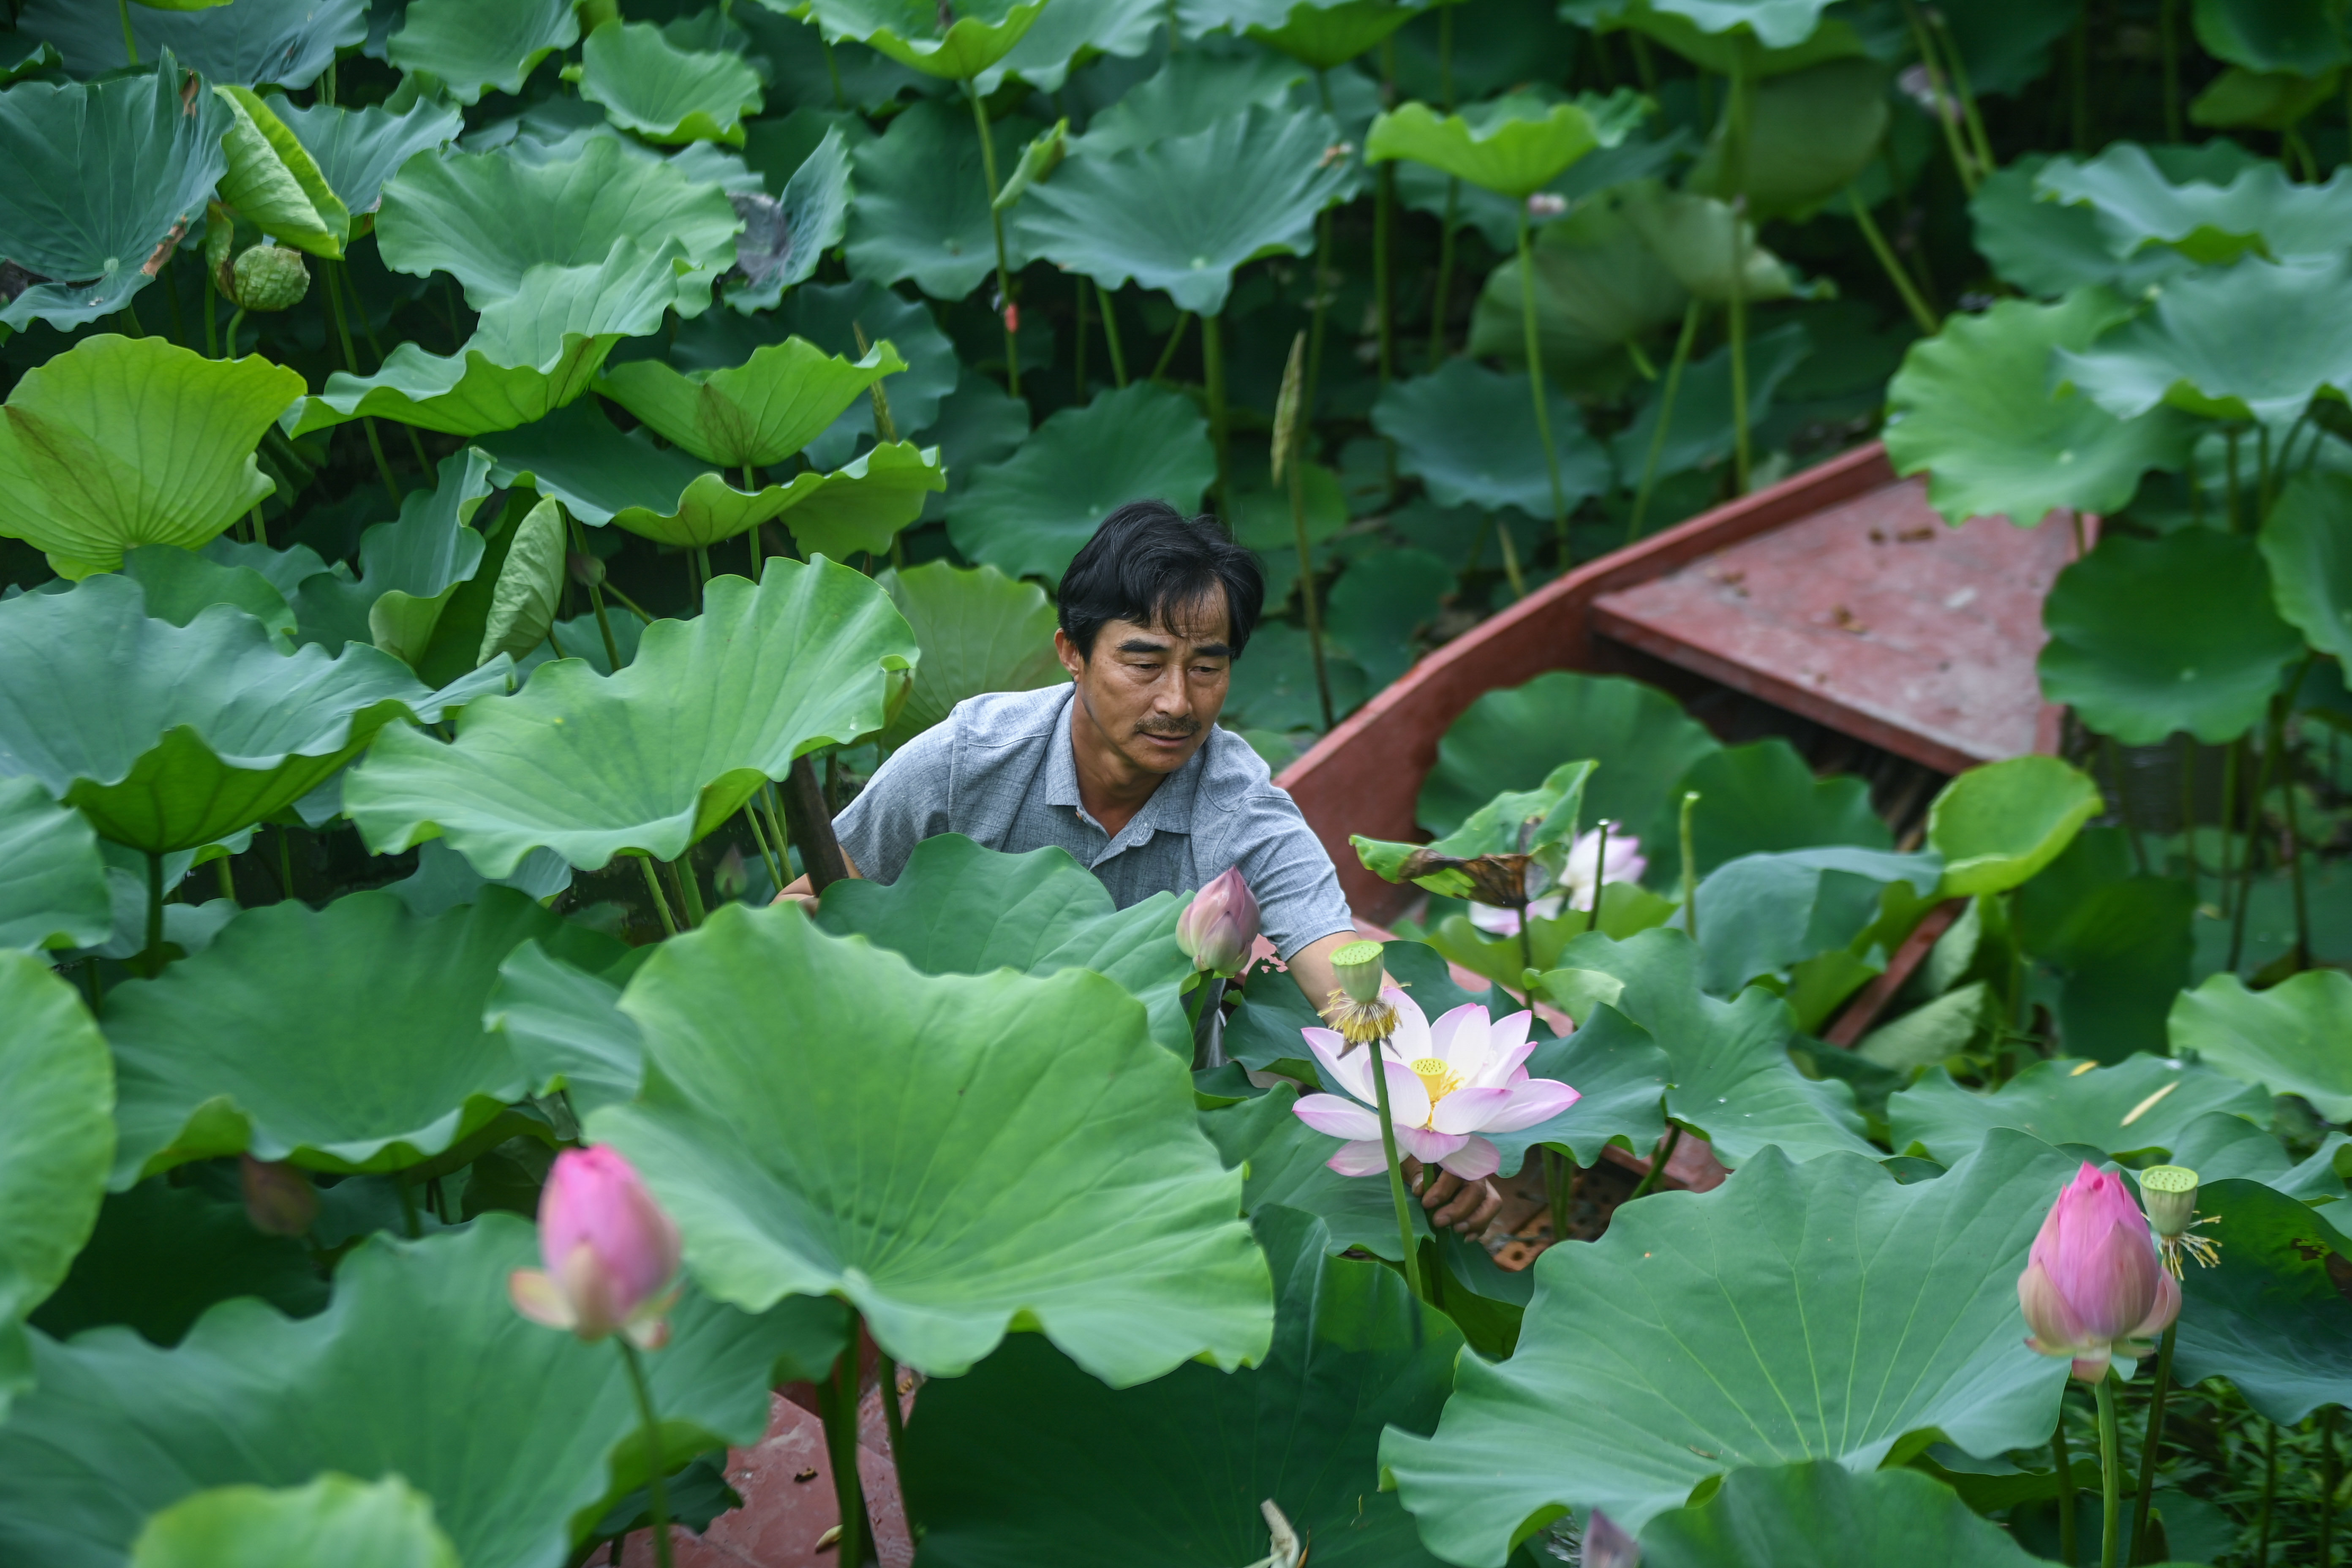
pixel 268 278
pixel 1358 966
pixel 2169 1193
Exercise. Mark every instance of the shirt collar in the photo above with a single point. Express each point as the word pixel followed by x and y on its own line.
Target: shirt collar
pixel 1170 809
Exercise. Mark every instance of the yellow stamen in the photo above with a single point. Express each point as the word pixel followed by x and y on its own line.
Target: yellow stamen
pixel 1436 1077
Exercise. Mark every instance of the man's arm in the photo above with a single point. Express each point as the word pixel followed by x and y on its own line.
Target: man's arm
pixel 799 892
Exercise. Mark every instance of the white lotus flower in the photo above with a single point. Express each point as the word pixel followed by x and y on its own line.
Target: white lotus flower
pixel 1588 869
pixel 1448 1083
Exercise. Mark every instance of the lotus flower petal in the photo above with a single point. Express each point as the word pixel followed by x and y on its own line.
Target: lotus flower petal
pixel 1360 1159
pixel 1339 1116
pixel 1459 1036
pixel 1475 1161
pixel 1352 1072
pixel 1408 1096
pixel 1469 1110
pixel 1531 1103
pixel 1429 1148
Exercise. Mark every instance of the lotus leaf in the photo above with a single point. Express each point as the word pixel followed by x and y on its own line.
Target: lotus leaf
pixel 2149 637
pixel 1823 1513
pixel 161 1255
pixel 1193 92
pixel 1079 1198
pixel 2135 206
pixel 253 1398
pixel 1732 1079
pixel 959 908
pixel 1030 514
pixel 1971 408
pixel 577 455
pixel 1380 605
pixel 1932 1032
pixel 56 1137
pixel 1470 434
pixel 1515 145
pixel 565 1027
pixel 1283 1166
pixel 107 178
pixel 1762 798
pixel 652 759
pixel 1183 213
pixel 980 631
pixel 1695 236
pixel 487 219
pixel 1762 914
pixel 1511 739
pixel 181 584
pixel 1598 177
pixel 1321 35
pixel 172 738
pixel 335 1518
pixel 860 506
pixel 1275 688
pixel 473 48
pixel 2289 1039
pixel 1998 825
pixel 2263 37
pixel 752 414
pixel 357 150
pixel 1070 31
pixel 784 237
pixel 2311 576
pixel 1184 1464
pixel 410 568
pixel 274 183
pixel 958 38
pixel 2121 942
pixel 528 593
pixel 52 880
pixel 2047 249
pixel 531 353
pixel 288 42
pixel 1538 824
pixel 922 207
pixel 2271 1318
pixel 649 85
pixel 1598 286
pixel 1696 1321
pixel 2267 100
pixel 833 316
pixel 1702 432
pixel 2139 1106
pixel 1811 133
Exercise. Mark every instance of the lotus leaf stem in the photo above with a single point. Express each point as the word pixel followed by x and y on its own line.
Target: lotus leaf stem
pixel 2270 1494
pixel 153 955
pixel 414 1221
pixel 284 841
pixel 2111 1539
pixel 2155 1441
pixel 1871 232
pixel 2069 1546
pixel 1536 383
pixel 2330 1475
pixel 1660 1158
pixel 1079 350
pixel 1690 870
pixel 769 856
pixel 1213 382
pixel 656 1483
pixel 996 225
pixel 2124 802
pixel 1396 1172
pixel 837 1402
pixel 1600 883
pixel 2188 812
pixel 130 39
pixel 1110 339
pixel 1168 351
pixel 1667 394
pixel 235 321
pixel 1560 1190
pixel 1445 287
pixel 1737 111
pixel 1383 228
pixel 1298 481
pixel 893 1424
pixel 2079 74
pixel 596 597
pixel 833 70
pixel 661 904
pixel 688 886
pixel 1947 111
pixel 350 364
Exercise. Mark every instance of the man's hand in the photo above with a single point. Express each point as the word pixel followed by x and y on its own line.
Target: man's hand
pixel 1469 1207
pixel 799 892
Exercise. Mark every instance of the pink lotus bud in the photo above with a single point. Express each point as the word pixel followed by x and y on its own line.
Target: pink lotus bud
pixel 2094 1284
pixel 278 1199
pixel 1013 318
pixel 610 1251
pixel 1218 926
pixel 1606 1544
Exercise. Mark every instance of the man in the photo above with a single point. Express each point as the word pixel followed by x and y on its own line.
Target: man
pixel 1126 768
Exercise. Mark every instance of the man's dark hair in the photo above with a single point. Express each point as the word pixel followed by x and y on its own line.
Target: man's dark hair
pixel 1149 558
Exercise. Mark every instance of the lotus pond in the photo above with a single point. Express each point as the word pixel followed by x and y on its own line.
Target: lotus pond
pixel 481 483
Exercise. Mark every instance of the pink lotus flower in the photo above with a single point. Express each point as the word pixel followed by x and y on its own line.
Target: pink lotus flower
pixel 278 1199
pixel 2094 1284
pixel 1448 1083
pixel 1218 926
pixel 1587 870
pixel 610 1251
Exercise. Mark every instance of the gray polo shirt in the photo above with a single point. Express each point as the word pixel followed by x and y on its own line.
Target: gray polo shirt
pixel 1000 769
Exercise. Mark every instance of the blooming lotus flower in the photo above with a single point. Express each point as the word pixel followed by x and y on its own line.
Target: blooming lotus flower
pixel 1218 926
pixel 2092 1284
pixel 1448 1083
pixel 1580 880
pixel 610 1251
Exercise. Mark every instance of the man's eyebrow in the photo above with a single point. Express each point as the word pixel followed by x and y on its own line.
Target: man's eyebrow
pixel 1143 645
pixel 1212 651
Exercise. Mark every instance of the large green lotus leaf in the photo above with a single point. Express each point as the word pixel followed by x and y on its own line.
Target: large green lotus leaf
pixel 335 1518
pixel 357 150
pixel 652 759
pixel 2209 344
pixel 1972 408
pixel 2134 205
pixel 254 1046
pixel 961 908
pixel 1811 133
pixel 995 1150
pixel 1318 35
pixel 522 1436
pixel 1068 32
pixel 2139 1106
pixel 1763 914
pixel 2289 1039
pixel 922 206
pixel 410 568
pixel 2122 942
pixel 1997 825
pixel 1630 161
pixel 174 737
pixel 1762 798
pixel 785 237
pixel 120 441
pixel 2311 571
pixel 181 584
pixel 1470 434
pixel 862 505
pixel 1031 513
pixel 160 1256
pixel 105 178
pixel 649 85
pixel 1194 90
pixel 980 630
pixel 1774 24
pixel 2047 249
pixel 1694 235
pixel 471 49
pixel 2265 36
pixel 487 219
pixel 1732 1079
pixel 565 1027
pixel 531 353
pixel 1703 431
pixel 1516 822
pixel 832 316
pixel 577 455
pixel 752 414
pixel 1183 214
pixel 52 879
pixel 1511 739
pixel 1515 146
pixel 1823 1514
pixel 1598 286
pixel 958 38
pixel 2272 1318
pixel 1030 1461
pixel 56 1137
pixel 1284 1164
pixel 2152 636
pixel 274 183
pixel 527 593
pixel 286 42
pixel 1699 1322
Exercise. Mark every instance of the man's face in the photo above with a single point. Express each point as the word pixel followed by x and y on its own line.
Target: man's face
pixel 1153 691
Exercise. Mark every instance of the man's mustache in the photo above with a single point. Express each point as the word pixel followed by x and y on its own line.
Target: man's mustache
pixel 1181 730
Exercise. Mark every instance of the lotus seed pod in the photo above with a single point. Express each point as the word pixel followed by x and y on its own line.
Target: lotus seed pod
pixel 2169 1193
pixel 1358 967
pixel 268 278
